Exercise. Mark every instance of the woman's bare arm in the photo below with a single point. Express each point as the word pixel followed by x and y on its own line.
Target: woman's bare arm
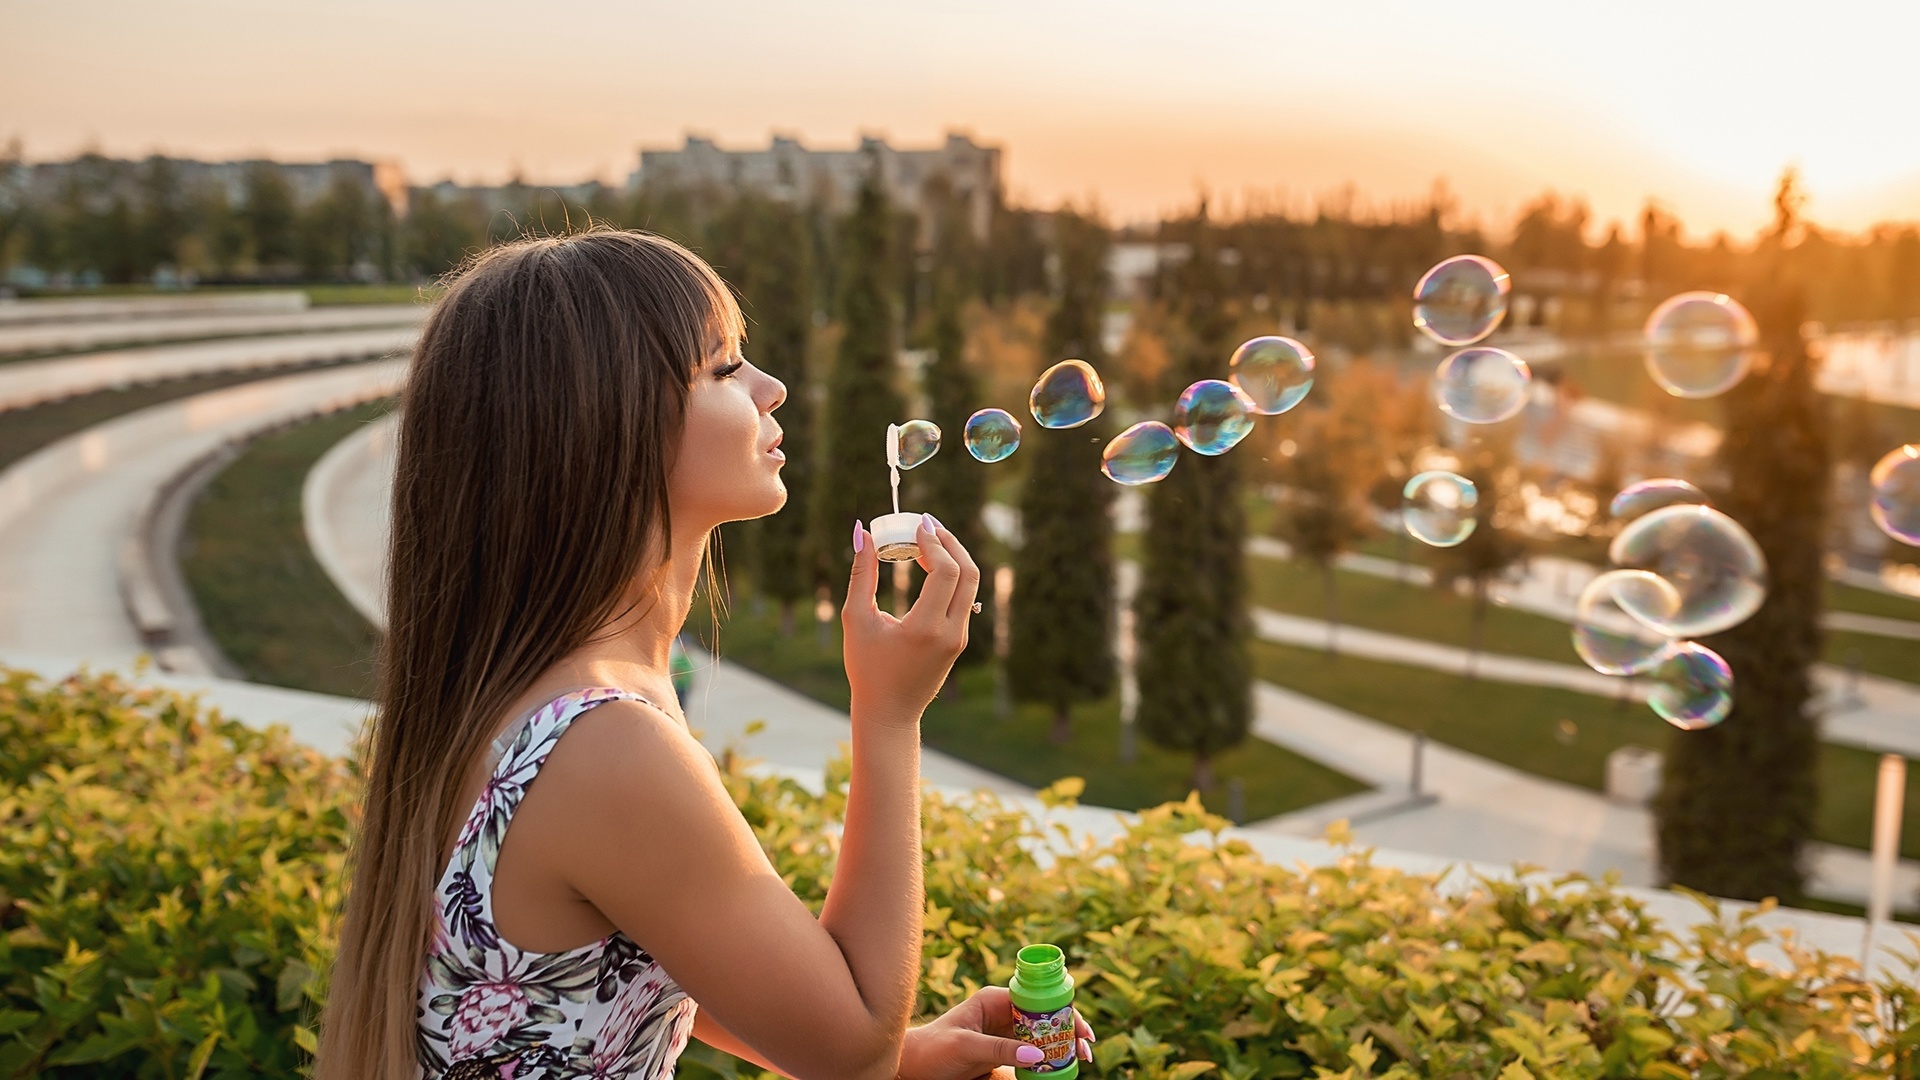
pixel 653 842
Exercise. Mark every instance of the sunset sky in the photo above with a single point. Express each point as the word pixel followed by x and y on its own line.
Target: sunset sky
pixel 1137 104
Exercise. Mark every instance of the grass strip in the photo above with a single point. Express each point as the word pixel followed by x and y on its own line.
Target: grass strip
pixel 1441 615
pixel 262 595
pixel 1521 726
pixel 964 723
pixel 22 431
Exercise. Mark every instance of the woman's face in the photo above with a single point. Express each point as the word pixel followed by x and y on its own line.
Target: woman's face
pixel 728 467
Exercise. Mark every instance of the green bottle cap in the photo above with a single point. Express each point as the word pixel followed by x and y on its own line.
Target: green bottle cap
pixel 1041 970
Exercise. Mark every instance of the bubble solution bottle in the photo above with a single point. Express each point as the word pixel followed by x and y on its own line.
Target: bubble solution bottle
pixel 1042 993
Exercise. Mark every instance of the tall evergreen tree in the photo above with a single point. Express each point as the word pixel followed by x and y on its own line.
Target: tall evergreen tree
pixel 862 398
pixel 1195 681
pixel 952 486
pixel 1060 648
pixel 781 306
pixel 1737 802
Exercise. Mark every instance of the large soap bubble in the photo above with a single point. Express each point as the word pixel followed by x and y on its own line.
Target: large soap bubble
pixel 1461 300
pixel 1481 385
pixel 1650 495
pixel 992 435
pixel 1692 688
pixel 919 440
pixel 1707 556
pixel 1142 454
pixel 1608 636
pixel 1067 395
pixel 1274 372
pixel 1212 417
pixel 1437 508
pixel 1896 494
pixel 1700 344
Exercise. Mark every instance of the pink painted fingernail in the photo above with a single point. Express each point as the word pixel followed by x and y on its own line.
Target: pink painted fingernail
pixel 1030 1055
pixel 859 540
pixel 931 524
pixel 1086 1051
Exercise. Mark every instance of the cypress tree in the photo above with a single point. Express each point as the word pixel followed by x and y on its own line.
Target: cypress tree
pixel 1737 801
pixel 781 306
pixel 1195 682
pixel 952 486
pixel 862 398
pixel 1060 634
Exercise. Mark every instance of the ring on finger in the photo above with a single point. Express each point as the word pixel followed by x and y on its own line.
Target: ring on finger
pixel 976 607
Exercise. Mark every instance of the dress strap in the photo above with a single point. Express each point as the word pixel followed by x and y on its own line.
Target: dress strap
pixel 522 749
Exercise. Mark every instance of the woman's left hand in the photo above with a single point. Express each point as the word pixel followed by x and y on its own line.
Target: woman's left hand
pixel 972 1038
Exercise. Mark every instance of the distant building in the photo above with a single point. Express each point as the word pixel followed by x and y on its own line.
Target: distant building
pixel 308 181
pixel 790 171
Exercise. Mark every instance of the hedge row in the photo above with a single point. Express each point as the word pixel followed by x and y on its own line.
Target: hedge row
pixel 168 877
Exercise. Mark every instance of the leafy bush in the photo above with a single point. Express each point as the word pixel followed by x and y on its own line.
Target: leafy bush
pixel 168 877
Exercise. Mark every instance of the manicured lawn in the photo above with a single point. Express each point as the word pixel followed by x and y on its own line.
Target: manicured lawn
pixel 1870 602
pixel 1383 604
pixel 22 431
pixel 1519 726
pixel 1377 603
pixel 965 724
pixel 261 593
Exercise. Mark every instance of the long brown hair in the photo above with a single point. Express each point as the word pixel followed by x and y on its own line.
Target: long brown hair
pixel 537 432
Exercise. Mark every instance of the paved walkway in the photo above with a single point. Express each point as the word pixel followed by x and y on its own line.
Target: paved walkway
pixel 67 510
pixel 94 334
pixel 30 382
pixel 85 308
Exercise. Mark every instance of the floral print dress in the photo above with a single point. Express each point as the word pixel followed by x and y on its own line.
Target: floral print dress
pixel 606 1011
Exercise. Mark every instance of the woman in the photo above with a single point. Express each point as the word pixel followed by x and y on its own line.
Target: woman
pixel 578 419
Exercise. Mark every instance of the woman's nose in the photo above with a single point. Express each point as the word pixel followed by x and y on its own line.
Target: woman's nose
pixel 776 392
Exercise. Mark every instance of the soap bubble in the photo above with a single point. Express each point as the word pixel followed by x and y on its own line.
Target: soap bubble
pixel 1274 372
pixel 1461 300
pixel 1608 636
pixel 1692 688
pixel 1699 344
pixel 1067 395
pixel 1142 454
pixel 1212 417
pixel 1482 386
pixel 992 435
pixel 1706 555
pixel 919 440
pixel 1649 495
pixel 1437 507
pixel 1896 494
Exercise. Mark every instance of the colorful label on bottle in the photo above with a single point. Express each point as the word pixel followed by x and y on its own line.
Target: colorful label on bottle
pixel 1052 1032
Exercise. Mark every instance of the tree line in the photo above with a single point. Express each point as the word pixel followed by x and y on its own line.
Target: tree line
pixel 833 299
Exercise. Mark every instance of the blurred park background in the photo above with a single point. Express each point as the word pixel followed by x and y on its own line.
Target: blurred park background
pixel 220 227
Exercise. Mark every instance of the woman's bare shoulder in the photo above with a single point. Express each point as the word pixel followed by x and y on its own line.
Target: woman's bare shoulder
pixel 627 755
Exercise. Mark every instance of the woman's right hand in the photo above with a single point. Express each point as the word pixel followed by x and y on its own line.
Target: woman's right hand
pixel 896 665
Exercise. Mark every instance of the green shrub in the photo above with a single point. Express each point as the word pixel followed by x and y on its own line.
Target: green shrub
pixel 168 876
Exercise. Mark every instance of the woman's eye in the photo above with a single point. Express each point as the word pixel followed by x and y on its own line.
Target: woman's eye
pixel 729 370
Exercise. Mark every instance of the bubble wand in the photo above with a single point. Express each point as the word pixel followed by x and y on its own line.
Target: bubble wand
pixel 896 536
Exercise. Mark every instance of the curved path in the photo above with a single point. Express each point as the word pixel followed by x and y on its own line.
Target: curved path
pixel 30 382
pixel 68 511
pixel 62 337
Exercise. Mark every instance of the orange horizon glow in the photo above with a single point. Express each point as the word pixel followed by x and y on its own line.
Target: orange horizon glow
pixel 1137 107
